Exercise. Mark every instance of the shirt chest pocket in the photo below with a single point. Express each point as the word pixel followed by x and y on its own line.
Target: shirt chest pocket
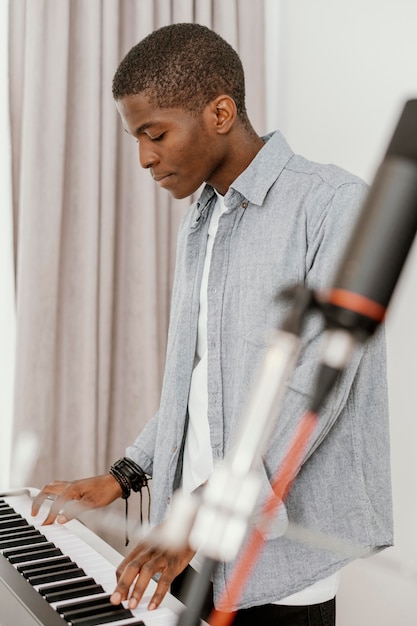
pixel 256 303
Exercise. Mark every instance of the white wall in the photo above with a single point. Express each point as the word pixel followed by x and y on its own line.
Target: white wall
pixel 339 75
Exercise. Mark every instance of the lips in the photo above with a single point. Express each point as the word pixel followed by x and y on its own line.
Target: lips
pixel 159 178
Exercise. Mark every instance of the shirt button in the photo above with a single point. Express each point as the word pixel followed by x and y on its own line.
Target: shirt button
pixel 245 205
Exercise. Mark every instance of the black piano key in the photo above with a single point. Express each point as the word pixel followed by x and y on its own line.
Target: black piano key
pixel 22 550
pixel 27 567
pixel 79 592
pixel 5 533
pixel 11 513
pixel 49 569
pixel 17 532
pixel 82 604
pixel 29 540
pixel 64 574
pixel 7 511
pixel 71 590
pixel 33 555
pixel 102 618
pixel 4 503
pixel 33 538
pixel 67 586
pixel 13 522
pixel 105 608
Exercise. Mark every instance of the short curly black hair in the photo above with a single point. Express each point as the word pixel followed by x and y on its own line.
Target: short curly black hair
pixel 182 66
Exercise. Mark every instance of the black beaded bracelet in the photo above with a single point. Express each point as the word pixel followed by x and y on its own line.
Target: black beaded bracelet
pixel 122 480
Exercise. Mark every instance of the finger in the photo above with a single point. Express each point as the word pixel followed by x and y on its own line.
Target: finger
pixel 38 501
pixel 125 581
pixel 49 491
pixel 54 511
pixel 141 585
pixel 160 592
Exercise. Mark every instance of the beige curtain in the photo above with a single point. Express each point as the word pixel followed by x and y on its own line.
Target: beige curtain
pixel 7 285
pixel 94 238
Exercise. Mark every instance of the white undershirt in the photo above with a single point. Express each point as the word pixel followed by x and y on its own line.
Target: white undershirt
pixel 198 457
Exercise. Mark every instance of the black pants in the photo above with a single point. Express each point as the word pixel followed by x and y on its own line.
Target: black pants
pixel 323 614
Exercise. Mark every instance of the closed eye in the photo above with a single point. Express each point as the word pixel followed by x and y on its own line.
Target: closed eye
pixel 153 139
pixel 156 138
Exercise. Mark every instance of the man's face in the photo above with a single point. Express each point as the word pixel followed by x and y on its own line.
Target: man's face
pixel 181 151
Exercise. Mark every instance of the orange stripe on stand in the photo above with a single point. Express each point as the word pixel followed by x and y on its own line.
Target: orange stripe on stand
pixel 355 302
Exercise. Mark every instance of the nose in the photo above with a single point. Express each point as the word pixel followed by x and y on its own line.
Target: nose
pixel 147 155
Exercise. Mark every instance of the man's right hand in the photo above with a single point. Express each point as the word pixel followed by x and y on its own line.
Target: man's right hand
pixel 71 498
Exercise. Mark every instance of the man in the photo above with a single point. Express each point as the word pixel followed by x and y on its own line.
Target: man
pixel 266 219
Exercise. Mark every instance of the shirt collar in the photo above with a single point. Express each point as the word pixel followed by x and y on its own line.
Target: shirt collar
pixel 255 181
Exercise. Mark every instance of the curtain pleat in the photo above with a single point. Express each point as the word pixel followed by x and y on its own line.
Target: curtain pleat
pixel 7 265
pixel 95 238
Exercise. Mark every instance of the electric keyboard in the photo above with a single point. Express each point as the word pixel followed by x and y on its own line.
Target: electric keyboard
pixel 63 574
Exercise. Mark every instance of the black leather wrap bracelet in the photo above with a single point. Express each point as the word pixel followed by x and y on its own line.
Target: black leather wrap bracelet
pixel 129 475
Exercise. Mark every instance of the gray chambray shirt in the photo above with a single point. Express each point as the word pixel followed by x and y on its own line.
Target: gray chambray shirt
pixel 288 221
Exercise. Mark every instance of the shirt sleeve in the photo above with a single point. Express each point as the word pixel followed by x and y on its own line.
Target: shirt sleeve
pixel 142 449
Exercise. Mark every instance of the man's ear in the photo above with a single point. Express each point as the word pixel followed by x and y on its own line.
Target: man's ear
pixel 223 113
